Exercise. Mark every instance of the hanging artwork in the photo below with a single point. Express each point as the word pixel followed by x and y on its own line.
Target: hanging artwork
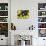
pixel 42 32
pixel 4 29
pixel 23 14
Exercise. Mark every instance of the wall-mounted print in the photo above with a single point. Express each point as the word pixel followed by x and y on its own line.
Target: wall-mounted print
pixel 3 6
pixel 3 13
pixel 41 19
pixel 42 6
pixel 3 19
pixel 23 14
pixel 41 25
pixel 42 33
pixel 4 29
pixel 41 13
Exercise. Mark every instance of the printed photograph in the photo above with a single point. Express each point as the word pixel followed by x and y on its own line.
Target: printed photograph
pixel 22 14
pixel 42 32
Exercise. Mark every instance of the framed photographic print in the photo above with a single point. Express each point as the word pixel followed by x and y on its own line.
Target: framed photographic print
pixel 4 29
pixel 22 14
pixel 42 32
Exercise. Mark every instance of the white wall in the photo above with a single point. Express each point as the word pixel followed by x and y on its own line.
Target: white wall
pixel 25 4
pixel 32 5
pixel 3 1
pixel 4 41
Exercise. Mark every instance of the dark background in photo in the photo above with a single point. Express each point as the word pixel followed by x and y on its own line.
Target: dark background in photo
pixel 4 29
pixel 41 19
pixel 41 25
pixel 41 5
pixel 3 6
